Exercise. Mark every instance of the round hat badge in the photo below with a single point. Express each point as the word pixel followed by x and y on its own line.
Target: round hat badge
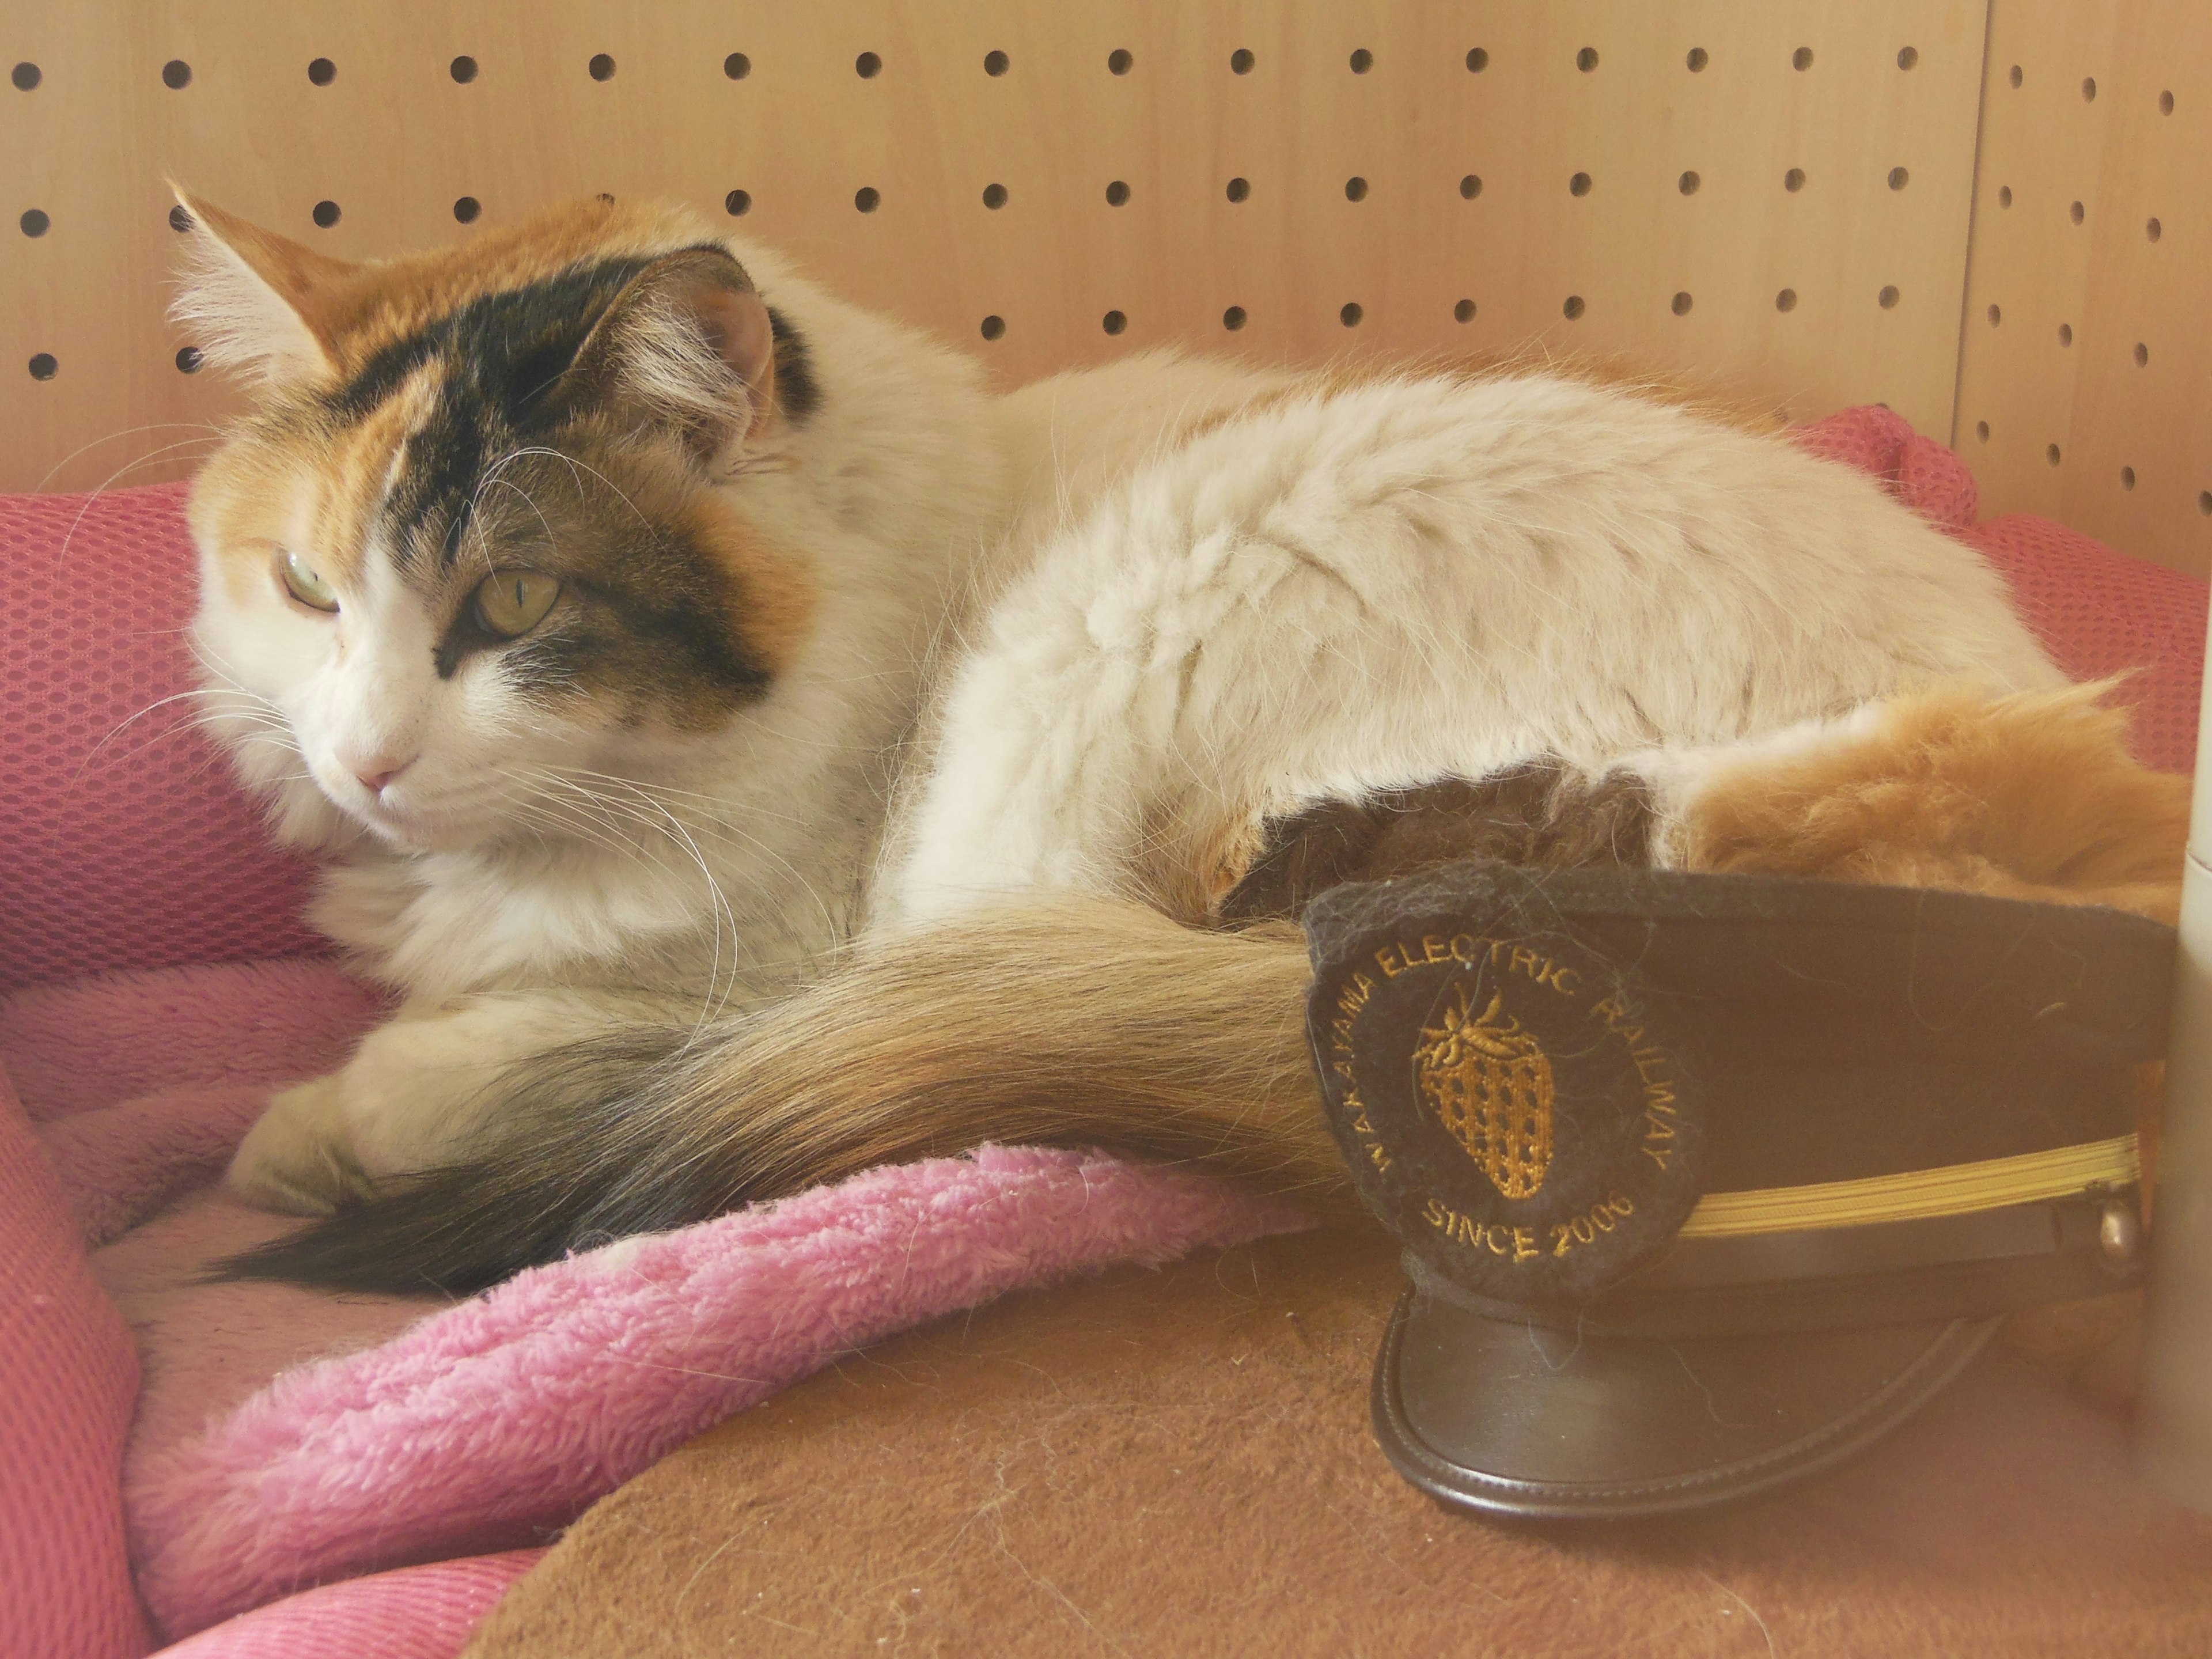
pixel 1512 1102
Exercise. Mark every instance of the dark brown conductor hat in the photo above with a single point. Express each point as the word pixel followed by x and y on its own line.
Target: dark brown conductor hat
pixel 1706 1181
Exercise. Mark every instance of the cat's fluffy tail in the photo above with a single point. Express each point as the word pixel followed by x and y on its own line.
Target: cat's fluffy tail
pixel 1063 1021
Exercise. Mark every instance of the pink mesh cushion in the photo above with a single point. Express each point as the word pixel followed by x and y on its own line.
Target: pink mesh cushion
pixel 2100 612
pixel 2097 612
pixel 68 1376
pixel 123 841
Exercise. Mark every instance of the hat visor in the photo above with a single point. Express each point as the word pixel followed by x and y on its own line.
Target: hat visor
pixel 1525 1421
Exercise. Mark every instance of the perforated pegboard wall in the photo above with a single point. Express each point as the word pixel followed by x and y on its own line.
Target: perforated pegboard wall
pixel 2085 390
pixel 1779 196
pixel 1162 170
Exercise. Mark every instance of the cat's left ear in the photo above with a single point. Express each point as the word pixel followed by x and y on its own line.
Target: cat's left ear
pixel 687 344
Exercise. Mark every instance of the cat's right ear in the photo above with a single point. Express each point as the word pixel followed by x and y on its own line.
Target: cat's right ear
pixel 256 303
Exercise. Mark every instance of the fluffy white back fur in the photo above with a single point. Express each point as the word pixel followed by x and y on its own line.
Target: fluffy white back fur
pixel 1361 589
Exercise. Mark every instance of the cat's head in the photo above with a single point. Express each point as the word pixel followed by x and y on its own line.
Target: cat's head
pixel 478 531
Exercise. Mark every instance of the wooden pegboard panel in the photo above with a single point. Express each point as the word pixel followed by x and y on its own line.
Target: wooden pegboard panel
pixel 2085 387
pixel 1663 172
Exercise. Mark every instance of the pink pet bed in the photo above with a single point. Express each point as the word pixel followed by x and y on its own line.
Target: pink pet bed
pixel 253 1470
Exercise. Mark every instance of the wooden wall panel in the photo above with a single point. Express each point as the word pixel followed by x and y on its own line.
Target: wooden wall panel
pixel 2085 367
pixel 1672 269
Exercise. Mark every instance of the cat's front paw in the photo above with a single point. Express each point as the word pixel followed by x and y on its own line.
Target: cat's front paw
pixel 299 1158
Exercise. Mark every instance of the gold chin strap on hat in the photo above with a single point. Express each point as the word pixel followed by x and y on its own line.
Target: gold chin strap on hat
pixel 1919 1194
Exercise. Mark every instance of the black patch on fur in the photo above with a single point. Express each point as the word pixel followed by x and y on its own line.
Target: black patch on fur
pixel 644 609
pixel 1540 814
pixel 582 1158
pixel 797 393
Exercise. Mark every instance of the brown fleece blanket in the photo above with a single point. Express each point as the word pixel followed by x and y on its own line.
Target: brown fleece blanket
pixel 1179 1462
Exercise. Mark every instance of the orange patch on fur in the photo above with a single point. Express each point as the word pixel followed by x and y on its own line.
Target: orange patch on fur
pixel 2034 796
pixel 777 595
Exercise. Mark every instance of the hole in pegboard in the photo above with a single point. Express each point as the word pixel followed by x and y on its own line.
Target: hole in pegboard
pixel 1362 61
pixel 1688 183
pixel 1477 59
pixel 35 222
pixel 994 328
pixel 1117 193
pixel 1464 312
pixel 2050 454
pixel 1579 185
pixel 2016 77
pixel 467 209
pixel 1350 314
pixel 737 204
pixel 736 66
pixel 2076 212
pixel 1786 301
pixel 321 71
pixel 2166 103
pixel 1793 180
pixel 1997 316
pixel 2066 334
pixel 1114 322
pixel 995 196
pixel 189 359
pixel 2152 229
pixel 180 221
pixel 2004 196
pixel 1239 190
pixel 1355 189
pixel 2142 354
pixel 2127 478
pixel 1698 59
pixel 1241 61
pixel 325 214
pixel 868 198
pixel 1888 297
pixel 1682 302
pixel 1899 178
pixel 602 66
pixel 1982 430
pixel 26 75
pixel 868 65
pixel 176 75
pixel 1470 187
pixel 996 62
pixel 1801 58
pixel 1907 56
pixel 1119 61
pixel 1233 318
pixel 2088 89
pixel 463 70
pixel 44 366
pixel 1573 308
pixel 2204 502
pixel 1586 60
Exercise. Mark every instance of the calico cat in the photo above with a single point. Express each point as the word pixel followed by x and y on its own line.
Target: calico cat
pixel 649 637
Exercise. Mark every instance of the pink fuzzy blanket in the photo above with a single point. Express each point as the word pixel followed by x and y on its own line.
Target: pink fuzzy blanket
pixel 284 1439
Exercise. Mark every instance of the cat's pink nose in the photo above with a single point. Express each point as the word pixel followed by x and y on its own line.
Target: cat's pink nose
pixel 376 774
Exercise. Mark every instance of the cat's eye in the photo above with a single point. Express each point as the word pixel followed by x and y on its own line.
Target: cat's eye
pixel 304 584
pixel 512 602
